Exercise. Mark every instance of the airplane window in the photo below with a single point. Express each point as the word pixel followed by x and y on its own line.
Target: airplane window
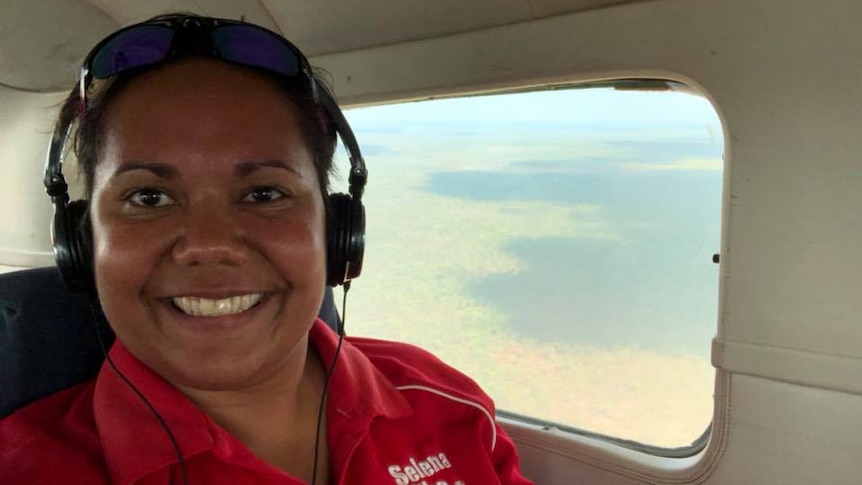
pixel 556 245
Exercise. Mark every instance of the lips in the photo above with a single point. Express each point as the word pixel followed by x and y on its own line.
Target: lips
pixel 205 307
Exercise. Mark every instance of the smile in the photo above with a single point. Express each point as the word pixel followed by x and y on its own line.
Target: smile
pixel 204 307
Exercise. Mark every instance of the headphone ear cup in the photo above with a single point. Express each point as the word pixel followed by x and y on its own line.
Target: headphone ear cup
pixel 72 245
pixel 345 239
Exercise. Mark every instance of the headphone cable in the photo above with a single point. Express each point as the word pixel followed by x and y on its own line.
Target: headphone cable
pixel 320 410
pixel 142 398
pixel 164 425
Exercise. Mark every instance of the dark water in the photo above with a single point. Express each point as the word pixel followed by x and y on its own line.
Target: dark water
pixel 656 289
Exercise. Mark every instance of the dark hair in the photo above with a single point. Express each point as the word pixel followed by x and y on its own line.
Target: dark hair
pixel 317 128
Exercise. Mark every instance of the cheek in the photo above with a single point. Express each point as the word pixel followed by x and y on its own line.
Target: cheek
pixel 295 244
pixel 117 270
pixel 123 258
pixel 116 250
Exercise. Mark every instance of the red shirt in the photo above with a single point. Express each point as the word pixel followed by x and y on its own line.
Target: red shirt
pixel 395 415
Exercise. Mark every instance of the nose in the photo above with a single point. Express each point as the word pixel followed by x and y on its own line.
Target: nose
pixel 210 237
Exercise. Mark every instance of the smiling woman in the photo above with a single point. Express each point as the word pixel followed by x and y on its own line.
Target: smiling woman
pixel 267 243
pixel 208 238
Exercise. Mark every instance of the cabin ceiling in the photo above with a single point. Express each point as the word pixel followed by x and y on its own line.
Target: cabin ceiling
pixel 43 41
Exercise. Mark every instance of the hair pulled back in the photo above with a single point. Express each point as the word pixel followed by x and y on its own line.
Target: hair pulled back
pixel 87 123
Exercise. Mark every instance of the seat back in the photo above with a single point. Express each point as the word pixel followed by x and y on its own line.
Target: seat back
pixel 48 338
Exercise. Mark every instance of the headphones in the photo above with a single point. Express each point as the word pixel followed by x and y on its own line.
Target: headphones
pixel 71 233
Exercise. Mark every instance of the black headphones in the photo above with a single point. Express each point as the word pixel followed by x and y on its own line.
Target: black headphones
pixel 71 233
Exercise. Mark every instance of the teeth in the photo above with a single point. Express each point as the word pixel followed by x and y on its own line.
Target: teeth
pixel 204 307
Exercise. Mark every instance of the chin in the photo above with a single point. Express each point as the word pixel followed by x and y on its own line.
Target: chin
pixel 225 369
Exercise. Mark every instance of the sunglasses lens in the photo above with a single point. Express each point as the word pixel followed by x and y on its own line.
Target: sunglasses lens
pixel 136 47
pixel 255 47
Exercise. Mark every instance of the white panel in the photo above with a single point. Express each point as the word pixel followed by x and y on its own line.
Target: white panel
pixel 549 8
pixel 7 269
pixel 794 274
pixel 42 43
pixel 130 11
pixel 776 434
pixel 787 435
pixel 636 40
pixel 321 26
pixel 816 369
pixel 26 122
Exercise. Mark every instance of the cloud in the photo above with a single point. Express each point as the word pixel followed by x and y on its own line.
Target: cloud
pixel 689 164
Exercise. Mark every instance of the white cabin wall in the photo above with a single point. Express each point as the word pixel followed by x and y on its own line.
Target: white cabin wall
pixel 42 42
pixel 26 123
pixel 785 78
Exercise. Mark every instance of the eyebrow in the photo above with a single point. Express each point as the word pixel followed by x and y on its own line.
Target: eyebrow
pixel 166 171
pixel 161 170
pixel 247 168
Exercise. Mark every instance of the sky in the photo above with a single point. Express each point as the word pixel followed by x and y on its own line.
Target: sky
pixel 565 106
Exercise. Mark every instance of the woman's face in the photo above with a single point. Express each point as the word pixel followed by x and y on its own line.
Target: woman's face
pixel 208 226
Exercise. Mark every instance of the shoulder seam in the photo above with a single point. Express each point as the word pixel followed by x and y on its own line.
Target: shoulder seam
pixel 417 387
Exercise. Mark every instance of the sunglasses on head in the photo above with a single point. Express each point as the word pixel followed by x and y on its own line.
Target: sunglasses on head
pixel 168 37
pixel 172 36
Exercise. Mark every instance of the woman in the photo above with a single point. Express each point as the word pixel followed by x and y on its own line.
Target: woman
pixel 205 147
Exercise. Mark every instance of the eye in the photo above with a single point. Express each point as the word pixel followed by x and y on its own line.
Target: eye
pixel 262 195
pixel 149 198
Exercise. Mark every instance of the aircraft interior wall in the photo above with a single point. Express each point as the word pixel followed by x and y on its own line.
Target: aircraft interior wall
pixel 25 128
pixel 783 77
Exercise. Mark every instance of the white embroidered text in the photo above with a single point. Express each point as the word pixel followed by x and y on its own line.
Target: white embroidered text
pixel 415 471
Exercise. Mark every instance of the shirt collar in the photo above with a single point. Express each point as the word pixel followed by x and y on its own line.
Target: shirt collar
pixel 358 393
pixel 135 443
pixel 357 387
pixel 133 438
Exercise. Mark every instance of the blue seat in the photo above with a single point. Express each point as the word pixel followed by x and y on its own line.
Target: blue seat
pixel 48 338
